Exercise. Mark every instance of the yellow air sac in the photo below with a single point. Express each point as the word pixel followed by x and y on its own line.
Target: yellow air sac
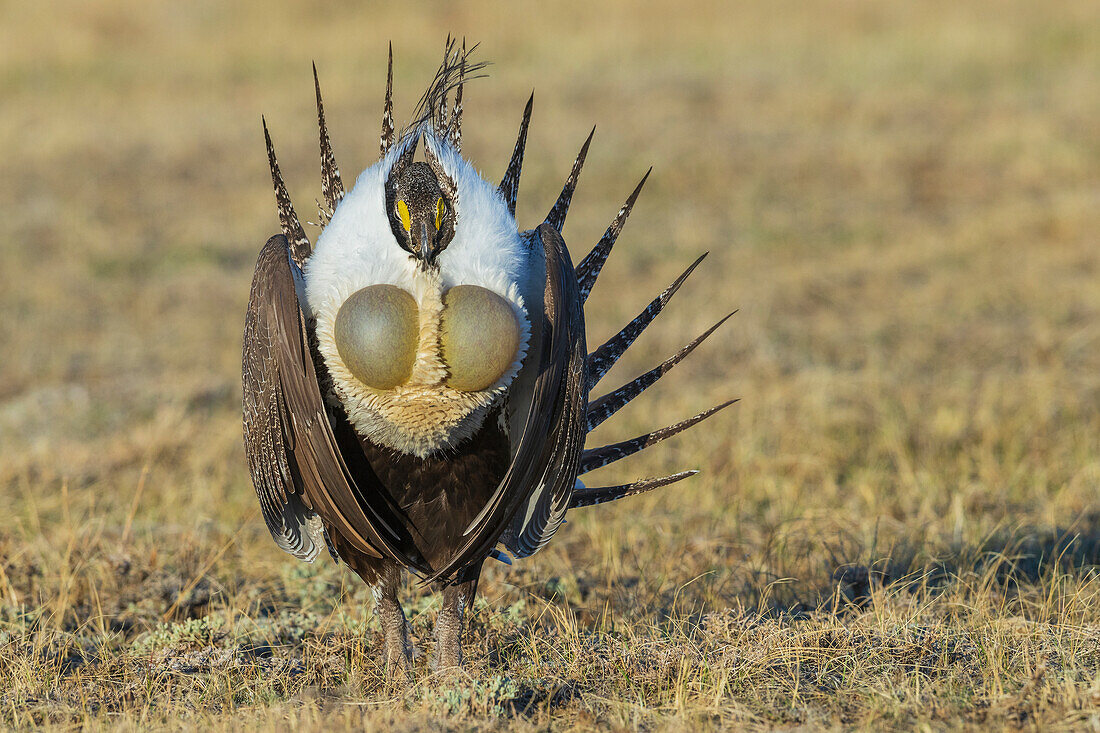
pixel 376 331
pixel 480 337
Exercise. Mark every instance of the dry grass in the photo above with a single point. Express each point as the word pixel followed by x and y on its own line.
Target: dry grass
pixel 897 527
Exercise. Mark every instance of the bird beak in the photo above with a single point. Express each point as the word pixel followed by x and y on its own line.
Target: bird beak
pixel 425 244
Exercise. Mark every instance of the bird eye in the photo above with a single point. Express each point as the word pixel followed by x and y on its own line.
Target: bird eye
pixel 439 213
pixel 403 212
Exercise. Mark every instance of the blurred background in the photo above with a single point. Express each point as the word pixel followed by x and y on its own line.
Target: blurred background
pixel 902 199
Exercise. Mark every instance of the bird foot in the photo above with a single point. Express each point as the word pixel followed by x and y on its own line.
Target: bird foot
pixel 399 664
pixel 447 663
pixel 448 652
pixel 399 653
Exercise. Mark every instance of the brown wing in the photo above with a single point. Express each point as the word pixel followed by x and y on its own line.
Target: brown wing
pixel 543 471
pixel 297 465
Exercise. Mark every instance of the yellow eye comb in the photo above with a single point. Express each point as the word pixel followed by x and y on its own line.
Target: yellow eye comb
pixel 403 212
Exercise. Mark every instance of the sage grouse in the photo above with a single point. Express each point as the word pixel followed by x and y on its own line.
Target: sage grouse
pixel 416 387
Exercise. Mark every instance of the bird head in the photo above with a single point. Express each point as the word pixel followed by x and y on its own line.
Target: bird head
pixel 421 214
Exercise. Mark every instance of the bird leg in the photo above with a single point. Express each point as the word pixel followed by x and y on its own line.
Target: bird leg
pixel 398 650
pixel 457 598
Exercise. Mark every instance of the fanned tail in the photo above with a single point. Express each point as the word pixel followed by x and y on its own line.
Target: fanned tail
pixel 604 358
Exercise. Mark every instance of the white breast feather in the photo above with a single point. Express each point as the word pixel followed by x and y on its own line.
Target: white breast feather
pixel 357 249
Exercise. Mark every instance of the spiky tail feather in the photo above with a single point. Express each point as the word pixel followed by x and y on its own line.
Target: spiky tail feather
pixel 300 247
pixel 509 184
pixel 602 494
pixel 556 217
pixel 594 458
pixel 332 187
pixel 388 130
pixel 589 268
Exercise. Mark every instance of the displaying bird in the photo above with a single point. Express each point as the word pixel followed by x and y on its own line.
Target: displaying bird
pixel 416 387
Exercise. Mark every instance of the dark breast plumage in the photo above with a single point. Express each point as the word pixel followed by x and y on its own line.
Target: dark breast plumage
pixel 437 497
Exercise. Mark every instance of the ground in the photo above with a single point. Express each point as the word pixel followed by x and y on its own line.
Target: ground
pixel 896 527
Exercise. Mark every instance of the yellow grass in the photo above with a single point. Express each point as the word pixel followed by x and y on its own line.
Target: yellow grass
pixel 897 526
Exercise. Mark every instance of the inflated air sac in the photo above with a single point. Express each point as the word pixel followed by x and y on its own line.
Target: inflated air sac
pixel 377 330
pixel 480 337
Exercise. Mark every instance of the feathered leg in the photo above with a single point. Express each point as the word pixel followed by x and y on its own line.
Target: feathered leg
pixel 449 625
pixel 398 650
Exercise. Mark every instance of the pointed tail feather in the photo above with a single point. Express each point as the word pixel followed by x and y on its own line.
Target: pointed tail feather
pixel 594 458
pixel 589 268
pixel 607 405
pixel 602 359
pixel 332 188
pixel 388 129
pixel 556 217
pixel 509 185
pixel 602 494
pixel 288 219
